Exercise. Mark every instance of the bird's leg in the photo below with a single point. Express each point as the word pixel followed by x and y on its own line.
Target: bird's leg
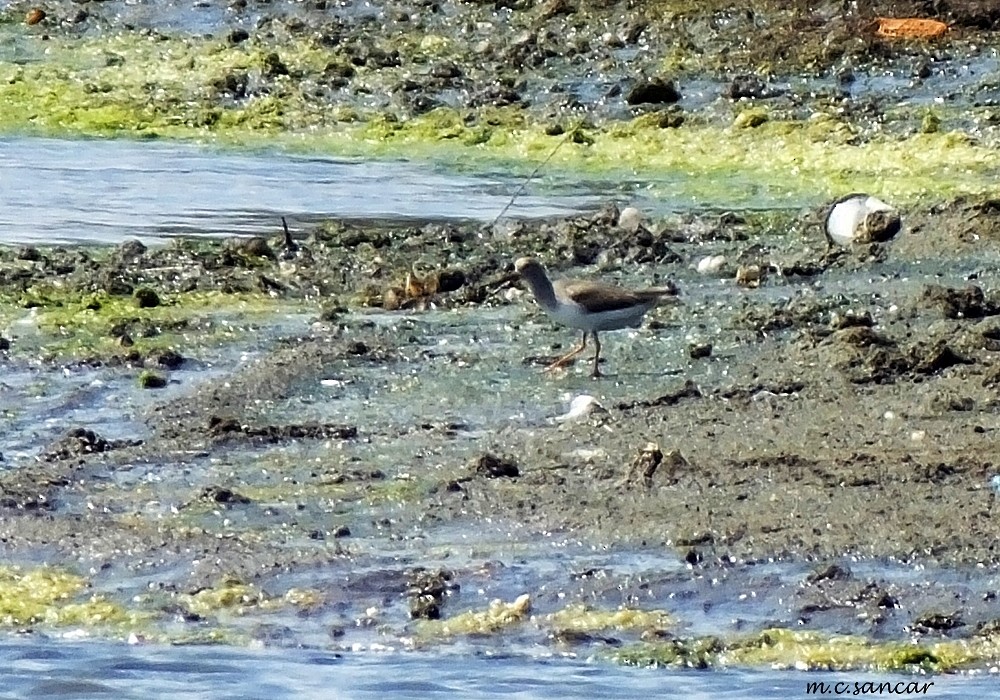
pixel 564 360
pixel 597 356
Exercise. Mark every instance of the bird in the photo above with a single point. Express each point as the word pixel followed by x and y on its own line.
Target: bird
pixel 589 306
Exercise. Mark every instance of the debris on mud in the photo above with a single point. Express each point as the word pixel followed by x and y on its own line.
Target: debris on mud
pixel 495 467
pixel 80 442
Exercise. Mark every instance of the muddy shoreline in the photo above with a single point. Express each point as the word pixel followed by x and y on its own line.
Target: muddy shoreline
pixel 844 414
pixel 345 439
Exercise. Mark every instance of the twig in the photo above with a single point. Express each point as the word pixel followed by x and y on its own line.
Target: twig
pixel 524 183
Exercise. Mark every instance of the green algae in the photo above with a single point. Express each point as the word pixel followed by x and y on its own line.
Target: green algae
pixel 584 618
pixel 65 324
pixel 783 648
pixel 229 595
pixel 147 84
pixel 235 597
pixel 49 596
pixel 498 616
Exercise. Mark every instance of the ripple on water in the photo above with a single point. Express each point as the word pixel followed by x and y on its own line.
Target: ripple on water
pixel 100 669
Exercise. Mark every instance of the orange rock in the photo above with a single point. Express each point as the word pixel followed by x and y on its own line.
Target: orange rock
pixel 910 28
pixel 34 16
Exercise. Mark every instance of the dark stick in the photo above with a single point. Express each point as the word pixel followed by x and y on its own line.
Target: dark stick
pixel 289 243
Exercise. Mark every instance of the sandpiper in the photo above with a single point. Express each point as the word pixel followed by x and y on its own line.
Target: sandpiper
pixel 589 306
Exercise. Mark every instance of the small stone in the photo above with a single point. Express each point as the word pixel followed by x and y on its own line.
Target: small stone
pixel 221 494
pixel 749 276
pixel 256 247
pixel 493 467
pixel 146 298
pixel 171 359
pixel 342 531
pixel 151 380
pixel 698 351
pixel 450 280
pixel 750 119
pixel 653 91
pixel 273 66
pixel 238 36
pixel 4 343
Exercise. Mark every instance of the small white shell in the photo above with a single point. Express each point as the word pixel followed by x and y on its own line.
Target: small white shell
pixel 630 219
pixel 710 264
pixel 848 217
pixel 580 407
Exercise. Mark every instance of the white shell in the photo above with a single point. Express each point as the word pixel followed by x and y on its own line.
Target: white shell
pixel 847 217
pixel 580 407
pixel 630 219
pixel 710 264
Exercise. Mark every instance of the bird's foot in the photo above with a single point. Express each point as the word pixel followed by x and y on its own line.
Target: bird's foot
pixel 561 363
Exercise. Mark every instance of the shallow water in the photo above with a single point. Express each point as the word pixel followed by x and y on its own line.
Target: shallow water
pixel 47 668
pixel 98 191
pixel 92 191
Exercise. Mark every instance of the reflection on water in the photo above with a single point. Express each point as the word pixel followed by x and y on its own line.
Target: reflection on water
pixel 54 191
pixel 94 191
pixel 47 668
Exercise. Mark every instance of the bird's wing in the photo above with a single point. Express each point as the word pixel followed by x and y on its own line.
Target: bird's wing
pixel 598 297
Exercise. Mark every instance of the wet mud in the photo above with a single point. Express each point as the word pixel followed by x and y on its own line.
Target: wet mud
pixel 345 438
pixel 831 454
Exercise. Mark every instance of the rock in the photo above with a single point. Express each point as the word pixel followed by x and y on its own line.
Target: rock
pixel 223 495
pixel 750 119
pixel 257 247
pixel 861 218
pixel 450 280
pixel 273 66
pixel 146 298
pixel 151 380
pixel 698 351
pixel 34 16
pixel 959 303
pixel 238 36
pixel 171 359
pixel 746 86
pixel 493 467
pixel 749 276
pixel 653 91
